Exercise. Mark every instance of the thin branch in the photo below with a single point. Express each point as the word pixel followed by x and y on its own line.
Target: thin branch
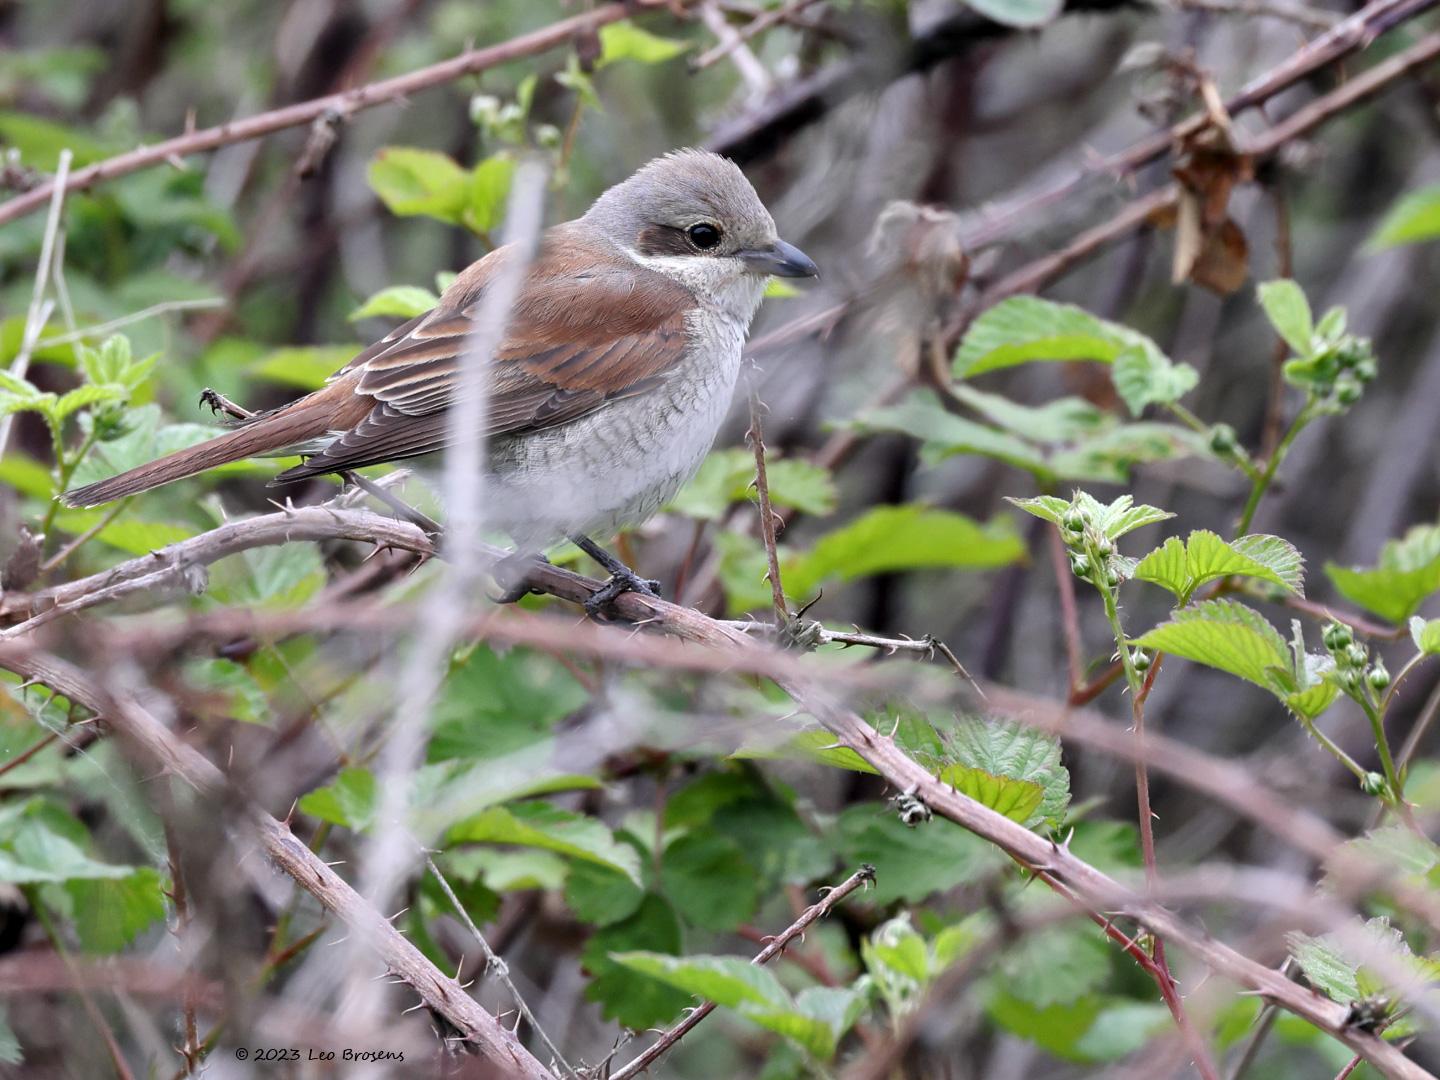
pixel 345 104
pixel 39 311
pixel 161 749
pixel 204 303
pixel 762 22
pixel 818 910
pixel 1300 14
pixel 755 436
pixel 497 967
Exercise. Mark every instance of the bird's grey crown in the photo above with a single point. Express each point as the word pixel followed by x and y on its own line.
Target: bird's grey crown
pixel 680 189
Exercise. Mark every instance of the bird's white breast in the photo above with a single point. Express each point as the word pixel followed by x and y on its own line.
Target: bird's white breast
pixel 620 464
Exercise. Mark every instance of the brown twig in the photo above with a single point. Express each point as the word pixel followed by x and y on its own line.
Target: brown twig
pixel 762 22
pixel 345 103
pixel 815 911
pixel 755 436
pixel 179 896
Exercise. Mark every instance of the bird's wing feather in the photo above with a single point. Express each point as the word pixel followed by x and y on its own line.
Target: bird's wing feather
pixel 588 327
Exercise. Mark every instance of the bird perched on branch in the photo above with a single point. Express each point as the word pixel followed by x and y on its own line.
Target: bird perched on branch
pixel 607 389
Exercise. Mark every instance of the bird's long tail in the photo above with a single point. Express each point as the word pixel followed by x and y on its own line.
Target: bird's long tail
pixel 268 434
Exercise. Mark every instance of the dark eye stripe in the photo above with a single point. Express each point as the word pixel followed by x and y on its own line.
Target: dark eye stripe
pixel 663 240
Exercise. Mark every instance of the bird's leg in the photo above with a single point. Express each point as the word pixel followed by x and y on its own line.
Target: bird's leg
pixel 622 578
pixel 512 574
pixel 219 403
pixel 421 520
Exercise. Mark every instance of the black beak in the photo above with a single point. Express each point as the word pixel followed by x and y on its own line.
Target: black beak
pixel 781 260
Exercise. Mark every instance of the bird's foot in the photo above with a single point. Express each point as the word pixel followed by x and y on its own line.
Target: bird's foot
pixel 219 404
pixel 622 580
pixel 512 575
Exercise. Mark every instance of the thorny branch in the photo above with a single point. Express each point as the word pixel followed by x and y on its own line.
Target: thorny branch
pixel 816 911
pixel 1054 862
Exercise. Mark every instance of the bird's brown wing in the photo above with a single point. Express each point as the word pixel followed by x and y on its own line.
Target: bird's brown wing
pixel 588 327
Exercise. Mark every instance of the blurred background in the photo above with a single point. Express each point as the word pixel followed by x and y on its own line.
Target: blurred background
pixel 887 138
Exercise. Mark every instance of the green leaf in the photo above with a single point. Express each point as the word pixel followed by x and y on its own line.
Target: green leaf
pixel 1145 376
pixel 1204 557
pixel 623 40
pixel 911 537
pixel 1336 966
pixel 426 182
pixel 944 434
pixel 493 704
pixel 350 800
pixel 1289 312
pixel 1019 13
pixel 816 746
pixel 515 871
pixel 1414 218
pixel 911 864
pixel 780 289
pixel 1026 328
pixel 1413 856
pixel 306 366
pixel 726 477
pixel 637 1001
pixel 601 895
pixel 540 825
pixel 110 912
pixel 815 1020
pixel 489 188
pixel 397 302
pixel 1009 767
pixel 1407 573
pixel 1226 635
pixel 82 397
pixel 1113 520
pixel 706 876
pixel 40 844
pixel 1059 421
pixel 26 476
pixel 1426 635
pixel 1054 965
pixel 227 690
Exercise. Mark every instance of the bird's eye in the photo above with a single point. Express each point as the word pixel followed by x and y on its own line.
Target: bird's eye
pixel 704 235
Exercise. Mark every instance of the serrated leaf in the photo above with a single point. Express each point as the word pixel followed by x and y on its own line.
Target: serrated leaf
pixel 1337 966
pixel 39 844
pixel 816 746
pixel 1401 848
pixel 637 1001
pixel 1226 635
pixel 726 477
pixel 350 800
pixel 623 40
pixel 110 912
pixel 1013 769
pixel 1204 557
pixel 1426 635
pixel 305 366
pixel 1145 376
pixel 14 384
pixel 411 182
pixel 706 877
pixel 1407 573
pixel 396 302
pixel 601 895
pixel 780 289
pixel 1026 328
pixel 1113 519
pixel 1414 218
pixel 537 824
pixel 89 394
pixel 1289 313
pixel 911 864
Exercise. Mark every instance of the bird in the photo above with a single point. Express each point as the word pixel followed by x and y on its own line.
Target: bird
pixel 607 390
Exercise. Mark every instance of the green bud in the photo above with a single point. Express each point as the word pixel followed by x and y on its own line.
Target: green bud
pixel 1079 565
pixel 1074 520
pixel 1104 547
pixel 1379 677
pixel 1348 391
pixel 1140 660
pixel 1356 655
pixel 1350 679
pixel 1373 784
pixel 1337 636
pixel 1366 370
pixel 1112 579
pixel 1222 440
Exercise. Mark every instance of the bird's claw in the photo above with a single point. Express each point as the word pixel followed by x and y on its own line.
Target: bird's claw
pixel 621 581
pixel 512 574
